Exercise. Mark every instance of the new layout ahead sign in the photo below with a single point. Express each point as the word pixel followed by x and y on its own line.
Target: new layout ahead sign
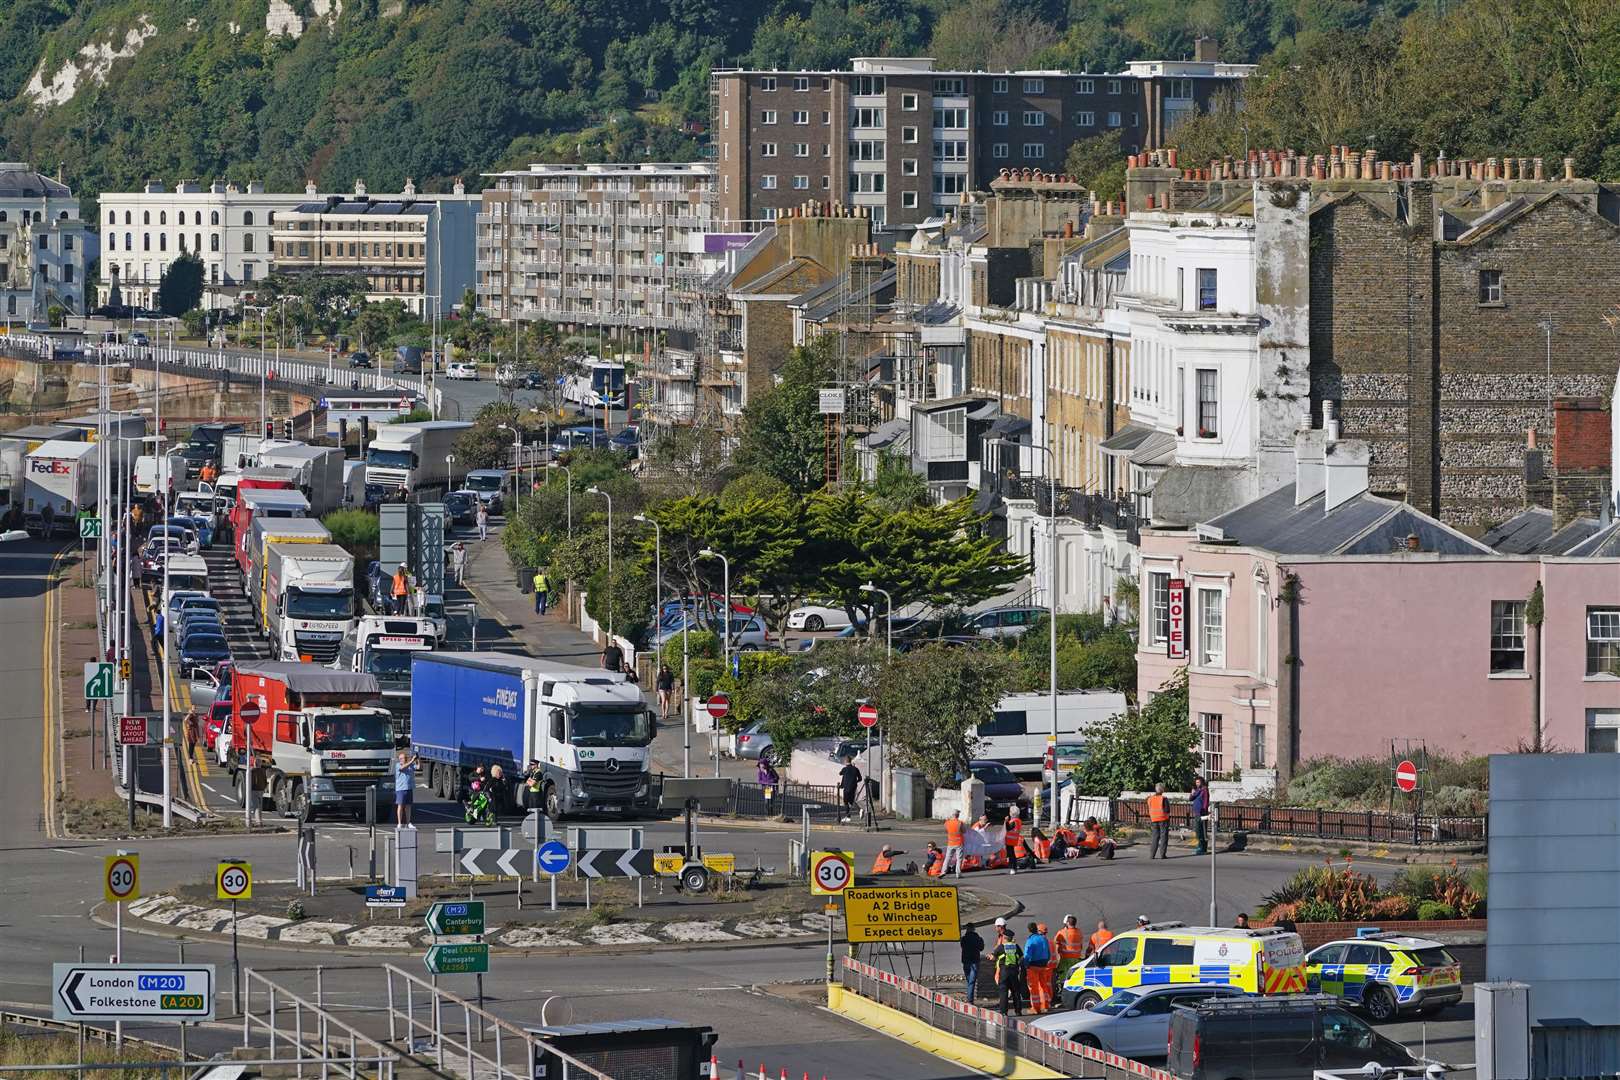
pixel 902 913
pixel 133 991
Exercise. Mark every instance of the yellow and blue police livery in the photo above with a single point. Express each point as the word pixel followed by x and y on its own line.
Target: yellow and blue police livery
pixel 1259 961
pixel 1386 974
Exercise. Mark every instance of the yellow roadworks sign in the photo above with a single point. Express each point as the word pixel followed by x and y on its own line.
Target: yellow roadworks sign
pixel 902 913
pixel 721 864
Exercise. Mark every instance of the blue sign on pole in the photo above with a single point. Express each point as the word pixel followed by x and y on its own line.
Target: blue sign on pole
pixel 552 857
pixel 386 896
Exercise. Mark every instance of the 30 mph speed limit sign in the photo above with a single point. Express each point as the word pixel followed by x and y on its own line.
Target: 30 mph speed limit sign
pixel 121 878
pixel 831 872
pixel 233 881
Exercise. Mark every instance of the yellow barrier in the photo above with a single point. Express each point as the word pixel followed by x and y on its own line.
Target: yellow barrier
pixel 954 1048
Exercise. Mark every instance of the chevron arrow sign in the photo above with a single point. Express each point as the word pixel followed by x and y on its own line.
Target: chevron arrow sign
pixel 496 862
pixel 616 862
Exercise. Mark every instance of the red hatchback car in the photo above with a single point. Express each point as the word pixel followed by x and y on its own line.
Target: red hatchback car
pixel 219 714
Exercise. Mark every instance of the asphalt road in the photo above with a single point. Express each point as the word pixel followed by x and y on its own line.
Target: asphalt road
pixel 23 568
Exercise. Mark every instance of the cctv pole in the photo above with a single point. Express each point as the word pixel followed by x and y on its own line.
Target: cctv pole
pixel 1213 919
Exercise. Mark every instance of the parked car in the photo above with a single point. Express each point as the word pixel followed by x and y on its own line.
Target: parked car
pixel 190 622
pixel 1273 1038
pixel 533 380
pixel 462 507
pixel 1386 974
pixel 222 749
pixel 753 741
pixel 817 617
pixel 139 339
pixel 1005 622
pixel 218 719
pixel 626 440
pixel 1135 1023
pixel 360 360
pixel 201 526
pixel 183 536
pixel 1001 788
pixel 181 597
pixel 747 631
pixel 462 369
pixel 152 556
pixel 202 649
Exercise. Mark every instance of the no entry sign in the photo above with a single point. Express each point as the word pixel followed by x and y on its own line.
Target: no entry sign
pixel 867 715
pixel 719 705
pixel 1406 776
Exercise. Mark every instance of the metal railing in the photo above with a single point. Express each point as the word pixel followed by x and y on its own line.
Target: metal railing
pixel 303 1048
pixel 1008 1034
pixel 1313 823
pixel 515 1051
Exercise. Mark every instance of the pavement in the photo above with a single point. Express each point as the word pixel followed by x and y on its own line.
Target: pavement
pixel 52 887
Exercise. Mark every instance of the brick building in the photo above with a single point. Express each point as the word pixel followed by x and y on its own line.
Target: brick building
pixel 905 141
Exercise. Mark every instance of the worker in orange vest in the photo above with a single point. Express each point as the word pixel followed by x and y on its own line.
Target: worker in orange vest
pixel 1014 839
pixel 1070 945
pixel 401 589
pixel 1041 843
pixel 1159 816
pixel 1102 936
pixel 1038 966
pixel 884 863
pixel 953 843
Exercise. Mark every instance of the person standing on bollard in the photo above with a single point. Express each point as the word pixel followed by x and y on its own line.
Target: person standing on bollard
pixel 972 954
pixel 404 789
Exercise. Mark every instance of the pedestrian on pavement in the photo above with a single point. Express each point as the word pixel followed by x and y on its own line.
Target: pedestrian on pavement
pixel 972 953
pixel 418 596
pixel 1009 960
pixel 404 789
pixel 542 592
pixel 612 656
pixel 953 843
pixel 666 690
pixel 1200 814
pixel 157 630
pixel 1159 818
pixel 765 773
pixel 532 777
pixel 1101 936
pixel 1013 838
pixel 190 728
pixel 1038 963
pixel 458 560
pixel 1242 922
pixel 849 782
pixel 399 591
pixel 483 520
pixel 1070 946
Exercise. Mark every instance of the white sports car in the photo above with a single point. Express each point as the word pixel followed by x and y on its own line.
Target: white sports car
pixel 813 617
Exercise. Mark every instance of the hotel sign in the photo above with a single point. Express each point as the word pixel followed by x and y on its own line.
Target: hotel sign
pixel 1176 639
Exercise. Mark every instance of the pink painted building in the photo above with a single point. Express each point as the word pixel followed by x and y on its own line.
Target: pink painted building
pixel 1321 620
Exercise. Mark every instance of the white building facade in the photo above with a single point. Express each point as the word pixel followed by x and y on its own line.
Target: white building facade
pixel 42 246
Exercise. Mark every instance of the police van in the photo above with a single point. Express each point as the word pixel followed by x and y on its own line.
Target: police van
pixel 1265 960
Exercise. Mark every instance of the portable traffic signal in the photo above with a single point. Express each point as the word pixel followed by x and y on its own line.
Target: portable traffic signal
pixel 287 428
pixel 269 429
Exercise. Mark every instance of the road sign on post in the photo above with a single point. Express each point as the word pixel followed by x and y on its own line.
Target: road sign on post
pixel 121 878
pixel 89 527
pixel 452 919
pixel 98 681
pixel 472 959
pixel 494 862
pixel 1406 776
pixel 719 705
pixel 133 991
pixel 867 715
pixel 233 880
pixel 124 668
pixel 905 913
pixel 552 857
pixel 616 862
pixel 831 872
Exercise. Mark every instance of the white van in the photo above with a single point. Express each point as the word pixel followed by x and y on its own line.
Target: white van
pixel 1017 736
pixel 188 572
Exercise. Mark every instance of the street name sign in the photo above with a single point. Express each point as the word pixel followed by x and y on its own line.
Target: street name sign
pixel 470 959
pixel 903 913
pixel 454 919
pixel 133 991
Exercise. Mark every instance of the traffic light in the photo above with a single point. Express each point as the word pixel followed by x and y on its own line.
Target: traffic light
pixel 269 429
pixel 286 428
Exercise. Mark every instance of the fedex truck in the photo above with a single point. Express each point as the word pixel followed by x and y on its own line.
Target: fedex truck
pixel 589 730
pixel 59 480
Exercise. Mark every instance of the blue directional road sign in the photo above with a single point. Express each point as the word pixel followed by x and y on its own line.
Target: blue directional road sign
pixel 552 856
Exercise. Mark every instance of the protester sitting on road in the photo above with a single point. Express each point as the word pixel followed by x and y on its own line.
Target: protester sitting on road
pixel 884 863
pixel 1041 843
pixel 1097 839
pixel 934 860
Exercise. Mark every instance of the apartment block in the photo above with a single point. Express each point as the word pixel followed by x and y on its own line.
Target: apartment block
pixel 600 245
pixel 42 245
pixel 417 250
pixel 905 141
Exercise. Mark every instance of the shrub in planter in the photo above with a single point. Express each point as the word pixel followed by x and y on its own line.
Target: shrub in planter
pixel 1392 907
pixel 1433 909
pixel 1316 910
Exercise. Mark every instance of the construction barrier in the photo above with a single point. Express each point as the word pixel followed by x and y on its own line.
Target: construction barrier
pixel 1021 1050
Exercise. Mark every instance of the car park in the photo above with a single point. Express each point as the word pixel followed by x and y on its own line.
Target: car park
pixel 747 631
pixel 1386 974
pixel 814 618
pixel 1275 1038
pixel 1135 1022
pixel 462 369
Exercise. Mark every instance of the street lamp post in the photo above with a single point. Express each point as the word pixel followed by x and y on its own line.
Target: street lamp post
pixel 594 490
pixel 450 468
pixel 658 610
pixel 888 623
pixel 1052 605
pixel 725 622
pixel 517 459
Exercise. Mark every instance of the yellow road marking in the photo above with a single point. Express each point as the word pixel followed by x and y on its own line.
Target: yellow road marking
pixel 49 650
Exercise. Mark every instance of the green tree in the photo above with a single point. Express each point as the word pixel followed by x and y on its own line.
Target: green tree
pixel 1153 744
pixel 783 434
pixel 896 484
pixel 931 700
pixel 181 287
pixel 1098 162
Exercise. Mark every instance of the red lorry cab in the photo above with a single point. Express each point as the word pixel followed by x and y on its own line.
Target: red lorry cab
pixel 265 499
pixel 281 689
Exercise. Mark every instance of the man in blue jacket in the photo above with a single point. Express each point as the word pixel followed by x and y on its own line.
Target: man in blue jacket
pixel 1200 814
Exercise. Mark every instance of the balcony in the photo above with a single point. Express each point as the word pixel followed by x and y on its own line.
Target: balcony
pixel 1093 510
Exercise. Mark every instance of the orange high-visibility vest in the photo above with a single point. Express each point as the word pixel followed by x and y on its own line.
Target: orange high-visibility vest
pixel 399 584
pixel 1158 809
pixel 881 864
pixel 953 832
pixel 1043 849
pixel 1070 942
pixel 1101 938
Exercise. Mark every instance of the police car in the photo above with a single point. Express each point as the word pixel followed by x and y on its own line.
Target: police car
pixel 1387 974
pixel 1264 960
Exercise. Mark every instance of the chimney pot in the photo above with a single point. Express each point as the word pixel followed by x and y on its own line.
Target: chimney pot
pixel 1529 438
pixel 1569 168
pixel 1540 169
pixel 1174 157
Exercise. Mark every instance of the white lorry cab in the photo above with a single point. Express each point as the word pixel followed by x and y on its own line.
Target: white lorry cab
pixel 382 646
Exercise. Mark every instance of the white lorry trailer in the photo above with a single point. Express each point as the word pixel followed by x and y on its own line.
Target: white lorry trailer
pixel 412 456
pixel 59 480
pixel 309 600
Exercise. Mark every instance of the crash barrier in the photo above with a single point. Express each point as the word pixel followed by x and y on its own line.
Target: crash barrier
pixel 1009 1035
pixel 1309 822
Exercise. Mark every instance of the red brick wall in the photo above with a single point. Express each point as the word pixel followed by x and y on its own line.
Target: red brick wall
pixel 1580 434
pixel 1321 933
